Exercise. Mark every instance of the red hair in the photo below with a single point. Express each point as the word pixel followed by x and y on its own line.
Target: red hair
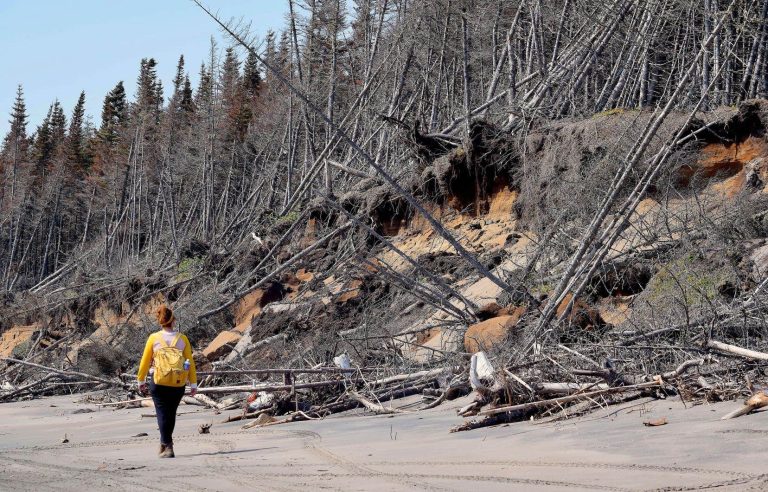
pixel 165 316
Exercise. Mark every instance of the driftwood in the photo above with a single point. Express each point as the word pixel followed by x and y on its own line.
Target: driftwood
pixel 205 400
pixel 401 378
pixel 266 387
pixel 567 399
pixel 471 409
pixel 123 402
pixel 439 400
pixel 568 388
pixel 190 400
pixel 734 350
pixel 387 388
pixel 318 370
pixel 247 416
pixel 25 389
pixel 83 375
pixel 684 367
pixel 265 420
pixel 456 387
pixel 758 400
pixel 373 407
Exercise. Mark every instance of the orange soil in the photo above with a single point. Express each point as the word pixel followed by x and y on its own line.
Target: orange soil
pixel 477 234
pixel 727 161
pixel 615 310
pixel 248 308
pixel 486 334
pixel 15 336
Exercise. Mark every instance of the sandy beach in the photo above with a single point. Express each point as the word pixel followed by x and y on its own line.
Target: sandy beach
pixel 607 450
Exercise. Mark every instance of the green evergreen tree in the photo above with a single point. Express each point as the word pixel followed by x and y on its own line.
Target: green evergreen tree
pixel 43 144
pixel 16 141
pixel 204 92
pixel 75 150
pixel 58 124
pixel 181 100
pixel 187 101
pixel 230 79
pixel 251 75
pixel 113 113
pixel 234 98
pixel 149 95
pixel 178 80
pixel 49 137
pixel 15 146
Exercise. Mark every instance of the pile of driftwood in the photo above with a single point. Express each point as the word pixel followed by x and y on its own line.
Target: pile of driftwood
pixel 46 380
pixel 339 390
pixel 300 394
pixel 553 383
pixel 566 382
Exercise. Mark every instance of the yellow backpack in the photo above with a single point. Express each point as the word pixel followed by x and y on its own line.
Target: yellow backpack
pixel 169 364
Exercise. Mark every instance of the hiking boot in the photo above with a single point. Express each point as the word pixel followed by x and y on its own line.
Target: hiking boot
pixel 162 449
pixel 168 452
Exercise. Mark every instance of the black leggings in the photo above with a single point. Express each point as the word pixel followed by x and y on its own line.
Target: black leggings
pixel 166 400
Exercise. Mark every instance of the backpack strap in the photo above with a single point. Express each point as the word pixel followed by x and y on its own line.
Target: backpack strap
pixel 173 342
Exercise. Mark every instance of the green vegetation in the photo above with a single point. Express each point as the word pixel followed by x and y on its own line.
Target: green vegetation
pixel 544 288
pixel 188 267
pixel 688 277
pixel 611 112
pixel 288 218
pixel 21 350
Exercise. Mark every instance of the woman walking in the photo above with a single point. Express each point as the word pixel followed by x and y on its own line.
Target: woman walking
pixel 170 355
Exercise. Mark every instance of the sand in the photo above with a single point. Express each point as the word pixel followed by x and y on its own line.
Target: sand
pixel 607 450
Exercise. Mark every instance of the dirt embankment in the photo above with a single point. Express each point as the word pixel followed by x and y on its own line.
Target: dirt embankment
pixel 495 197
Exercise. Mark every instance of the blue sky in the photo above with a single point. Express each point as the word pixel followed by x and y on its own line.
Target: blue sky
pixel 57 48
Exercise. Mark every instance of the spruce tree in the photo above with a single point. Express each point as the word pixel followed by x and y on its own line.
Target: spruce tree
pixel 181 100
pixel 230 78
pixel 16 140
pixel 251 75
pixel 15 145
pixel 149 96
pixel 49 137
pixel 205 89
pixel 106 130
pixel 178 80
pixel 75 150
pixel 119 103
pixel 58 124
pixel 43 144
pixel 234 98
pixel 113 113
pixel 114 118
pixel 187 101
pixel 283 54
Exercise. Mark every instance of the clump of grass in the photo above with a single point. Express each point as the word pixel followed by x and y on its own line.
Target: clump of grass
pixel 188 267
pixel 688 279
pixel 21 350
pixel 610 112
pixel 544 288
pixel 288 218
